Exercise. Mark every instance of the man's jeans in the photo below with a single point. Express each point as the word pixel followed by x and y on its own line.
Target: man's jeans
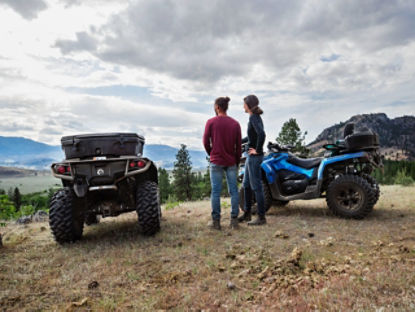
pixel 216 175
pixel 253 182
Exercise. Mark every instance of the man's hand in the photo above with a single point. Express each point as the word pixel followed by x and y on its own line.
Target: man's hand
pixel 252 151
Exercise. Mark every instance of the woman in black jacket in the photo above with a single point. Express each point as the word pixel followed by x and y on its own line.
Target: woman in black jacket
pixel 253 176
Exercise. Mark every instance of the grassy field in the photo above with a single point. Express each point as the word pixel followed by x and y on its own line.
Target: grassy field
pixel 30 184
pixel 303 259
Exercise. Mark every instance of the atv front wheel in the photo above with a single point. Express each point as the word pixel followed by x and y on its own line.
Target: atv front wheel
pixel 148 207
pixel 66 218
pixel 350 196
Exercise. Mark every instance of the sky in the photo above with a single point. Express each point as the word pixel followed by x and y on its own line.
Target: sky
pixel 156 67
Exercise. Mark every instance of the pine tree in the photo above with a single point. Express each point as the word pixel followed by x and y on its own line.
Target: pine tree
pixel 291 135
pixel 182 174
pixel 17 199
pixel 164 185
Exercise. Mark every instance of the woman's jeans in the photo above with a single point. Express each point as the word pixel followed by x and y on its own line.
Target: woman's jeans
pixel 216 175
pixel 253 183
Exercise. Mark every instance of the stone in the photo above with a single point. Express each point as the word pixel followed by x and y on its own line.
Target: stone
pixel 40 216
pixel 24 220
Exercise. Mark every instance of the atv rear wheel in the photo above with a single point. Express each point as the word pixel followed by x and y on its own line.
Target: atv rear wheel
pixel 350 196
pixel 66 217
pixel 148 207
pixel 375 186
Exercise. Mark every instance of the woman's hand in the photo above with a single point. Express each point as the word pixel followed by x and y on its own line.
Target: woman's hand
pixel 252 151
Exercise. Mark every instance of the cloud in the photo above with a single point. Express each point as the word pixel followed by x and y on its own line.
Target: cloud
pixel 209 41
pixel 28 9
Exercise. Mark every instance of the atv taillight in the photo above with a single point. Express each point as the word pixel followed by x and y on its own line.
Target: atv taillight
pixel 137 164
pixel 61 170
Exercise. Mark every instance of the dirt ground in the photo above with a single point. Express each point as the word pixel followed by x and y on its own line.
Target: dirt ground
pixel 303 259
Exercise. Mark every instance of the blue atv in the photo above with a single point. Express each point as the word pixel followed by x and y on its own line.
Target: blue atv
pixel 342 176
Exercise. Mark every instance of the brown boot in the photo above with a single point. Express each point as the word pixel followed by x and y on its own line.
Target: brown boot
pixel 234 223
pixel 245 217
pixel 260 220
pixel 215 224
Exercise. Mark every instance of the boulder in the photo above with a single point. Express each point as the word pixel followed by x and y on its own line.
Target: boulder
pixel 40 216
pixel 24 220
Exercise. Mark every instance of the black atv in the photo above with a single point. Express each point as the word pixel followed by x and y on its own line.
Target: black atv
pixel 103 175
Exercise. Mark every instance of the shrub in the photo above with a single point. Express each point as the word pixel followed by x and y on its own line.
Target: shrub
pixel 403 178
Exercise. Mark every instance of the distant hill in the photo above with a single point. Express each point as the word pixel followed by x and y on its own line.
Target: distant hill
pixel 7 172
pixel 396 136
pixel 25 153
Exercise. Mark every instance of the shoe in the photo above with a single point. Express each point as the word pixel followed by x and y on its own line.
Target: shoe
pixel 260 220
pixel 215 224
pixel 234 223
pixel 245 217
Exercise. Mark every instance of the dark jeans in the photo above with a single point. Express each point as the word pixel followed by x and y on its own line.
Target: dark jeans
pixel 253 183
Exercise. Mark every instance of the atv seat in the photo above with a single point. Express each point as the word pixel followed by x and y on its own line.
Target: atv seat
pixel 306 163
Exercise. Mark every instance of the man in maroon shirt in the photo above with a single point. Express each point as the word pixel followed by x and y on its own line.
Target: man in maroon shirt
pixel 222 141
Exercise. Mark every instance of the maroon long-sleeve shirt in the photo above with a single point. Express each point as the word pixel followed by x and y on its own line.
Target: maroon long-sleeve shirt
pixel 222 140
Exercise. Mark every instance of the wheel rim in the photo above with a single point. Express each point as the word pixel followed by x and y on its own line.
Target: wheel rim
pixel 349 198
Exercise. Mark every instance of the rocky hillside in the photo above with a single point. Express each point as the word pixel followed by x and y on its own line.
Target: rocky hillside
pixel 397 136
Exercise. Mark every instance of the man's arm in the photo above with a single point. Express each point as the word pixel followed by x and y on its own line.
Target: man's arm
pixel 206 138
pixel 238 149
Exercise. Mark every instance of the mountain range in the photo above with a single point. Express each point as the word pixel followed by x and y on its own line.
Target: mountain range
pixel 26 153
pixel 397 140
pixel 396 136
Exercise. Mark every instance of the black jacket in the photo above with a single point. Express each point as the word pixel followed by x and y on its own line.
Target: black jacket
pixel 256 134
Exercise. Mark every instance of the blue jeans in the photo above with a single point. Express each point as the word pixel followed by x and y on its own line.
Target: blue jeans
pixel 216 175
pixel 253 183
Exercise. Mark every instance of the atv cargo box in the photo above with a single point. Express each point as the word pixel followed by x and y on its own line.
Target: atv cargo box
pixel 362 141
pixel 108 144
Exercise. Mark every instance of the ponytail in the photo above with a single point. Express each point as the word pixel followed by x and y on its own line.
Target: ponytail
pixel 253 104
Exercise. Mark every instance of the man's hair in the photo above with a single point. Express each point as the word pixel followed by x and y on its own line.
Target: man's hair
pixel 222 103
pixel 253 102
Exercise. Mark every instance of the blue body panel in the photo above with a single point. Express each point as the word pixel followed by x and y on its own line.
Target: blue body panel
pixel 327 161
pixel 278 161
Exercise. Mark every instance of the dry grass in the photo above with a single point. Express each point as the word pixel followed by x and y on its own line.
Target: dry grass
pixel 325 263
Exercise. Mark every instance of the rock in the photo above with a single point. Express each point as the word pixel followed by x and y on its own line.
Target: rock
pixel 279 234
pixel 231 285
pixel 40 216
pixel 24 220
pixel 310 234
pixel 295 256
pixel 73 305
pixel 93 284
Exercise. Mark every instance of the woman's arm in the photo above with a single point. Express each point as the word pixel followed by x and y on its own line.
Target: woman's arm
pixel 256 122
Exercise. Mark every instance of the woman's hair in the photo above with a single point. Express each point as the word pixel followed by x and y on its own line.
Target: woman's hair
pixel 253 102
pixel 223 103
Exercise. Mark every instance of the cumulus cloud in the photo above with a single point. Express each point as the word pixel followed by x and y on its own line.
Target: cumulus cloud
pixel 28 9
pixel 211 40
pixel 155 67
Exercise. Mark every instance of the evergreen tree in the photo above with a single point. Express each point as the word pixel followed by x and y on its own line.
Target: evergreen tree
pixel 164 185
pixel 291 135
pixel 17 199
pixel 2 192
pixel 182 174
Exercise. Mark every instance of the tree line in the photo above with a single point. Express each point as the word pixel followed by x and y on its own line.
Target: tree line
pixel 184 184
